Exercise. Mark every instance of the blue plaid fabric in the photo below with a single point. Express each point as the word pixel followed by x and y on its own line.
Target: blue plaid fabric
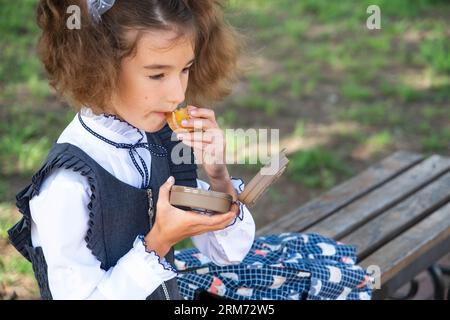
pixel 287 266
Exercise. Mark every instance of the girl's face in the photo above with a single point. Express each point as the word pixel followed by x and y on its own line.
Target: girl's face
pixel 154 81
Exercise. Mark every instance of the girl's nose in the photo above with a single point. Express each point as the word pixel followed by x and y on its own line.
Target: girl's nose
pixel 176 92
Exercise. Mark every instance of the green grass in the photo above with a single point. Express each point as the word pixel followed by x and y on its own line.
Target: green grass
pixel 25 136
pixel 433 143
pixel 354 91
pixel 295 89
pixel 18 265
pixel 437 141
pixel 376 143
pixel 256 102
pixel 13 267
pixel 7 219
pixel 295 28
pixel 20 68
pixel 300 129
pixel 380 139
pixel 373 114
pixel 228 119
pixel 360 62
pixel 13 270
pixel 432 113
pixel 436 53
pixel 3 189
pixel 23 145
pixel 270 85
pixel 317 168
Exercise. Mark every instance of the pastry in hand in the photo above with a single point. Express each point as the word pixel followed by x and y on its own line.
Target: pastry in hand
pixel 174 118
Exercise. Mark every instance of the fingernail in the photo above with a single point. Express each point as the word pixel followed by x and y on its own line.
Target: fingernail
pixel 184 122
pixel 193 112
pixel 170 180
pixel 180 136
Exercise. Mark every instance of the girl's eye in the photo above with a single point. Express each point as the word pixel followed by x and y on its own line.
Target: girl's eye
pixel 157 77
pixel 160 76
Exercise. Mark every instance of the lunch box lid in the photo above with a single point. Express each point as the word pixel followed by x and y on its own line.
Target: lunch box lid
pixel 252 191
pixel 261 182
pixel 208 193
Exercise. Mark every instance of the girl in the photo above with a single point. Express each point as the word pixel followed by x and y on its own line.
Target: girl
pixel 86 225
pixel 97 223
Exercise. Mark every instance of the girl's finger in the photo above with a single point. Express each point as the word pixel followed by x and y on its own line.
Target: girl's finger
pixel 224 224
pixel 198 123
pixel 219 219
pixel 201 113
pixel 164 191
pixel 216 222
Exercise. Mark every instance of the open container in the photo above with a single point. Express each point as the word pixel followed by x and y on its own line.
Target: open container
pixel 214 202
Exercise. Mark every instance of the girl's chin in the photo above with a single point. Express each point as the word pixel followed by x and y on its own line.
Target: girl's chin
pixel 155 124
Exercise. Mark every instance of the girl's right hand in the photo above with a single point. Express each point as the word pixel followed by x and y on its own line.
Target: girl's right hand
pixel 173 225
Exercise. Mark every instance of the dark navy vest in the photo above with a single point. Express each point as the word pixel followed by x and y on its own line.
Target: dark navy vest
pixel 118 211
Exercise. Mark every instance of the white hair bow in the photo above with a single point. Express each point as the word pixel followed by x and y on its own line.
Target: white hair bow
pixel 98 7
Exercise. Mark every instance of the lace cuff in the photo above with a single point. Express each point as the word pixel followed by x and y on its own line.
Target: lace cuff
pixel 151 256
pixel 238 185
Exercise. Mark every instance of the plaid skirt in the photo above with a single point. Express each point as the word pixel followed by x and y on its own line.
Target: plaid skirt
pixel 287 266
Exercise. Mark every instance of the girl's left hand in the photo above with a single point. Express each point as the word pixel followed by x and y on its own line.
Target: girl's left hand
pixel 207 140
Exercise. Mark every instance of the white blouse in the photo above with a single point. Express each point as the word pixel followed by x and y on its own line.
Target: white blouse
pixel 59 227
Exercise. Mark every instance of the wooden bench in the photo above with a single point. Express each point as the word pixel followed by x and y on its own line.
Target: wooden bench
pixel 396 213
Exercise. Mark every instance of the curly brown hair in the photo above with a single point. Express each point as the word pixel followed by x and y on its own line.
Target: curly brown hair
pixel 83 64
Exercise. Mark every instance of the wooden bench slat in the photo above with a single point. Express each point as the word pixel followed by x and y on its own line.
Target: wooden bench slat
pixel 408 247
pixel 363 209
pixel 398 219
pixel 343 194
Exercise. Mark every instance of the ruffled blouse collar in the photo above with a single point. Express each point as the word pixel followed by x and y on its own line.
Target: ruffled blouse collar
pixel 111 127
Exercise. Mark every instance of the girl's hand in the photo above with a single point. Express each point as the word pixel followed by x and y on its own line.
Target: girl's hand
pixel 173 225
pixel 208 141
